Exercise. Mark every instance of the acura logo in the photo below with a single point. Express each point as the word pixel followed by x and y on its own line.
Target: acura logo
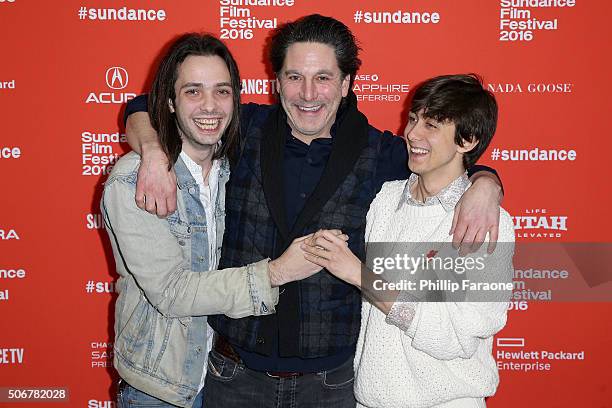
pixel 116 78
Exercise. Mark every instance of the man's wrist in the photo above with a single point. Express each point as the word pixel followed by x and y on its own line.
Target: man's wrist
pixel 151 147
pixel 274 274
pixel 153 153
pixel 490 181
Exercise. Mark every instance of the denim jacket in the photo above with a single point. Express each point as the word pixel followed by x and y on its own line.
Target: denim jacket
pixel 166 287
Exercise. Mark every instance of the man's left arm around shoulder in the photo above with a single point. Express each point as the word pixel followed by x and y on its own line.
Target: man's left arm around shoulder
pixel 477 212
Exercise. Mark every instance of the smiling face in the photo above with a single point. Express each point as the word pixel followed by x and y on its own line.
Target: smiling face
pixel 432 151
pixel 203 103
pixel 311 87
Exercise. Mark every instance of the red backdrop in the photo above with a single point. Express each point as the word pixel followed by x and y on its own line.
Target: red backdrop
pixel 68 67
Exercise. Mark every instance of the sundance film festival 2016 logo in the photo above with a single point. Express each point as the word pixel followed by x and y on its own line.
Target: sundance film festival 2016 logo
pixel 99 151
pixel 117 79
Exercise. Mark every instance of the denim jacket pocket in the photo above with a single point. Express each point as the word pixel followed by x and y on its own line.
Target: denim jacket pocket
pixel 134 333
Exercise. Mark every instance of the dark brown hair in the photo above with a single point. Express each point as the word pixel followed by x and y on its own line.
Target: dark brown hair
pixel 162 90
pixel 464 101
pixel 316 28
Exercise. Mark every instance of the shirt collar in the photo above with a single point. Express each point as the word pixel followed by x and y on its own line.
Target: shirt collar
pixel 447 197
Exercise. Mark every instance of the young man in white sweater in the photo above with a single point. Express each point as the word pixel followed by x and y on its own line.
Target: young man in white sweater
pixel 412 351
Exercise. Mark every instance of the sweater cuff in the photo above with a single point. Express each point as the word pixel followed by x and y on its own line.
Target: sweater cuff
pixel 403 311
pixel 263 295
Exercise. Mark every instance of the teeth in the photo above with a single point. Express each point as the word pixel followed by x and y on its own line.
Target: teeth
pixel 309 108
pixel 418 150
pixel 207 124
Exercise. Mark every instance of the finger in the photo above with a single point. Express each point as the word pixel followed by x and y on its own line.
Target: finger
pixel 333 238
pixel 458 234
pixel 467 242
pixel 140 197
pixel 478 240
pixel 150 205
pixel 493 236
pixel 318 233
pixel 344 237
pixel 140 200
pixel 455 219
pixel 171 195
pixel 317 260
pixel 326 234
pixel 171 203
pixel 323 244
pixel 161 209
pixel 315 250
pixel 304 238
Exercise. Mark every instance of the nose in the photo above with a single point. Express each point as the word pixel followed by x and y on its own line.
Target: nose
pixel 208 103
pixel 309 90
pixel 411 132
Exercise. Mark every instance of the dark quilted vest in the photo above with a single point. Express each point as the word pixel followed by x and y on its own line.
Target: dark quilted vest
pixel 318 316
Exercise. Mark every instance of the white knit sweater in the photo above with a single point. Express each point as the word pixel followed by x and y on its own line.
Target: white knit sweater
pixel 446 352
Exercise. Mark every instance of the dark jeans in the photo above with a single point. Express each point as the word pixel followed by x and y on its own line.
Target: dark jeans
pixel 230 385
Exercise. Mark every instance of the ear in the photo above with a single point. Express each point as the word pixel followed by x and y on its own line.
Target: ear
pixel 170 105
pixel 345 85
pixel 467 145
pixel 278 85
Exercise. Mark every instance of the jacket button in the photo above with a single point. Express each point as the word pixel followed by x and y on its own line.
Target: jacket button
pixel 260 340
pixel 201 258
pixel 198 349
pixel 181 243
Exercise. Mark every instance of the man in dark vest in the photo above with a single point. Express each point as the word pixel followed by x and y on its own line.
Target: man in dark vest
pixel 308 163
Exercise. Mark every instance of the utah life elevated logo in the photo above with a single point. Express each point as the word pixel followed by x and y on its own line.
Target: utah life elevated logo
pixel 117 79
pixel 539 223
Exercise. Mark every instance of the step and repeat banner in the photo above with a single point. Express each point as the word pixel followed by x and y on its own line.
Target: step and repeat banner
pixel 68 67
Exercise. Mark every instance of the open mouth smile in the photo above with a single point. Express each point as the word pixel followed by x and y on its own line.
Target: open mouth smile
pixel 309 108
pixel 208 124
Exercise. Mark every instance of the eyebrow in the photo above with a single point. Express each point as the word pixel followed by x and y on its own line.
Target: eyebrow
pixel 324 71
pixel 199 84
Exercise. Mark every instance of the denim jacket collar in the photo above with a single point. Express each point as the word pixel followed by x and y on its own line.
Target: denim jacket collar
pixel 184 179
